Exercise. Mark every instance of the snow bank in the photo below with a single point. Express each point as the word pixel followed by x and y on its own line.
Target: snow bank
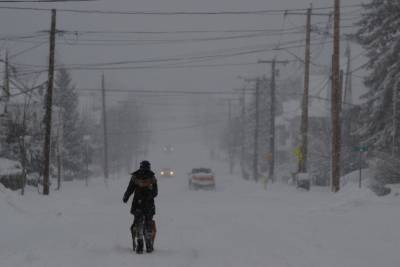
pixel 9 167
pixel 9 203
pixel 353 178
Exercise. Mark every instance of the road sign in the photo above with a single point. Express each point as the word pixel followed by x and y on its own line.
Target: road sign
pixel 361 149
pixel 299 153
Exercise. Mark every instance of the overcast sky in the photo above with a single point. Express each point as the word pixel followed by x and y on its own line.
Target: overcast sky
pixel 71 51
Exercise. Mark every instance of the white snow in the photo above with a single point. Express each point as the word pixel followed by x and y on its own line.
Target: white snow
pixel 9 167
pixel 240 224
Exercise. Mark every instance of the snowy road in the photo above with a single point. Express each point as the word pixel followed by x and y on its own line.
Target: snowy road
pixel 238 225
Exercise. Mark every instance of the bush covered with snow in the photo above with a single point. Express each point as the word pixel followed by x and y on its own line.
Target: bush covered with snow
pixel 386 168
pixel 10 174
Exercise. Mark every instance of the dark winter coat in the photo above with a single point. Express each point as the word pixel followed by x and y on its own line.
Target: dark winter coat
pixel 143 185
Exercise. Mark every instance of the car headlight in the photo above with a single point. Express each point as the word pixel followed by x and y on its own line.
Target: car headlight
pixel 162 173
pixel 171 173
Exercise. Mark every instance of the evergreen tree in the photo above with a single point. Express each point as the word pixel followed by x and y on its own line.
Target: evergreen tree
pixel 379 34
pixel 66 99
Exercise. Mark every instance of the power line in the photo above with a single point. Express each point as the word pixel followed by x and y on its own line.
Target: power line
pixel 217 54
pixel 168 13
pixel 28 49
pixel 273 30
pixel 109 42
pixel 43 1
pixel 26 92
pixel 169 92
pixel 101 66
pixel 22 37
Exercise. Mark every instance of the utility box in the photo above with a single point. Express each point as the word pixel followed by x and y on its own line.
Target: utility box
pixel 303 181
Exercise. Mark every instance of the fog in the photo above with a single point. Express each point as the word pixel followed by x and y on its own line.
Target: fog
pixel 72 49
pixel 199 133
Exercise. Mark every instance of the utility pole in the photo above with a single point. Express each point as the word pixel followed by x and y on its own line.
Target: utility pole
pixel 304 114
pixel 230 136
pixel 230 149
pixel 48 107
pixel 6 84
pixel 22 147
pixel 60 134
pixel 103 91
pixel 302 164
pixel 243 129
pixel 348 141
pixel 348 91
pixel 394 123
pixel 336 101
pixel 256 129
pixel 271 172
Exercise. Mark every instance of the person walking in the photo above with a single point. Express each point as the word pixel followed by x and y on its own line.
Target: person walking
pixel 143 186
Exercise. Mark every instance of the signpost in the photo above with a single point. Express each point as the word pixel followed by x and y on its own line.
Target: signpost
pixel 360 150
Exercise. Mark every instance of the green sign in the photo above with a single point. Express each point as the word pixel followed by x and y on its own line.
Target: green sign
pixel 361 148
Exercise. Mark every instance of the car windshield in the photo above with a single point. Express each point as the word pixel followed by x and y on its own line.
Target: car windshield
pixel 201 170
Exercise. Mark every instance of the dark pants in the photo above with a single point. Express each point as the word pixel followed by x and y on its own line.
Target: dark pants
pixel 142 224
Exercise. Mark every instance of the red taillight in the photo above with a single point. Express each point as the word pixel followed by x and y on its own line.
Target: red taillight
pixel 204 178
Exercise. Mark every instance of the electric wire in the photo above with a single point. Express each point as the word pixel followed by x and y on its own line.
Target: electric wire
pixel 174 13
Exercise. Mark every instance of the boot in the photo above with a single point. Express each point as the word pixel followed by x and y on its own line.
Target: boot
pixel 139 247
pixel 149 245
pixel 133 232
pixel 133 244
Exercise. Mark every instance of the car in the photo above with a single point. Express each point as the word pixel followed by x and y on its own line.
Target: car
pixel 168 149
pixel 167 172
pixel 201 178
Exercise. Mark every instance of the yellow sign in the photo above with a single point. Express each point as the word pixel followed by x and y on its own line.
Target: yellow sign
pixel 299 154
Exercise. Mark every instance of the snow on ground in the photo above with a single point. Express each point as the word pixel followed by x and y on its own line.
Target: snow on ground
pixel 238 225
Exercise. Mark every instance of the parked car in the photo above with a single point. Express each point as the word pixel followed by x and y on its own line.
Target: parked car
pixel 201 178
pixel 167 172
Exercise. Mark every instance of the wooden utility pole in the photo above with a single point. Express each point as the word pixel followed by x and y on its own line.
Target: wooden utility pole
pixel 6 83
pixel 58 165
pixel 347 140
pixel 105 139
pixel 256 129
pixel 271 171
pixel 271 156
pixel 48 107
pixel 336 101
pixel 22 147
pixel 304 114
pixel 348 91
pixel 394 123
pixel 60 134
pixel 230 149
pixel 243 129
